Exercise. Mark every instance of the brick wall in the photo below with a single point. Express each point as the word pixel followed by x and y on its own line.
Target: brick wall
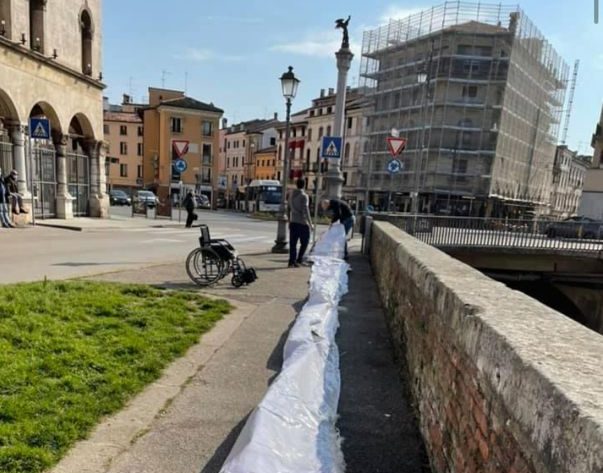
pixel 500 382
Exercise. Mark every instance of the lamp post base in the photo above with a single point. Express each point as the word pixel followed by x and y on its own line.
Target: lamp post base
pixel 280 247
pixel 281 243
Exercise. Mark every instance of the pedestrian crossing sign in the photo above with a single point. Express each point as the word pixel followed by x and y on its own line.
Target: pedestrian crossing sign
pixel 331 147
pixel 39 128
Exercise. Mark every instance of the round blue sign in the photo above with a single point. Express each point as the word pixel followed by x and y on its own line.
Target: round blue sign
pixel 180 165
pixel 394 166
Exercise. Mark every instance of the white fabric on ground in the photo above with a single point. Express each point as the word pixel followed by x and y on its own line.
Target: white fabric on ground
pixel 293 428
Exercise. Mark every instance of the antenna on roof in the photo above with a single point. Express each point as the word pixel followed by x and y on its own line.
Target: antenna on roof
pixel 185 82
pixel 164 73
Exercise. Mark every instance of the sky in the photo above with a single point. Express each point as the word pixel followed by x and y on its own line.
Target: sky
pixel 232 52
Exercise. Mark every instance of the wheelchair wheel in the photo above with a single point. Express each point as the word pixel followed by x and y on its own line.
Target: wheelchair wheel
pixel 236 281
pixel 204 266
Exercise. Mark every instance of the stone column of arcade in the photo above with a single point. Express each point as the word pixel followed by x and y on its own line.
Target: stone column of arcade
pixel 98 200
pixel 64 200
pixel 18 138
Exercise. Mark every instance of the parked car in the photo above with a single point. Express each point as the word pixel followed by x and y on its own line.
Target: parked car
pixel 203 202
pixel 117 197
pixel 145 198
pixel 576 227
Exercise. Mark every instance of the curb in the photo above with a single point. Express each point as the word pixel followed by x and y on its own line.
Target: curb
pixel 116 434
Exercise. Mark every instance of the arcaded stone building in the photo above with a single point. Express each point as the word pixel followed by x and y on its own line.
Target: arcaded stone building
pixel 50 67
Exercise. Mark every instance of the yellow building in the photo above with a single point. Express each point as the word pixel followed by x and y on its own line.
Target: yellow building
pixel 50 67
pixel 174 124
pixel 265 163
pixel 123 133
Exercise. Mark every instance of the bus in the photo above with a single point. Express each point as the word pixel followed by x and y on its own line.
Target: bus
pixel 263 195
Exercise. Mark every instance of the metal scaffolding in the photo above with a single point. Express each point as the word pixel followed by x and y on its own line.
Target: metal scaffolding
pixel 483 128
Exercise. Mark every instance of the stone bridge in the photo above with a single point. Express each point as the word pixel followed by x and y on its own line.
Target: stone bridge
pixel 564 273
pixel 500 382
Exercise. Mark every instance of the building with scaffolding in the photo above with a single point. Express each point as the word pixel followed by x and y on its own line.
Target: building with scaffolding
pixel 478 93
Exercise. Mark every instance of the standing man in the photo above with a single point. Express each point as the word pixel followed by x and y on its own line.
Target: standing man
pixel 300 223
pixel 341 212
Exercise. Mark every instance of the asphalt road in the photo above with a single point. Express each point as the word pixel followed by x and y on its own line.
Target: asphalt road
pixel 33 253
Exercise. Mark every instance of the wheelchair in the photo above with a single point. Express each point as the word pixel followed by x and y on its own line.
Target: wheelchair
pixel 214 260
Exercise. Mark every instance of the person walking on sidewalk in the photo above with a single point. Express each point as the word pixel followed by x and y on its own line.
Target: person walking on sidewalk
pixel 300 223
pixel 189 205
pixel 340 212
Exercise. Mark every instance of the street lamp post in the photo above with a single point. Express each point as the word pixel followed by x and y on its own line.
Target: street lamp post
pixel 289 84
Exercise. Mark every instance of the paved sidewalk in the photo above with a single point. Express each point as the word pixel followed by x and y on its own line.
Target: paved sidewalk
pixel 189 420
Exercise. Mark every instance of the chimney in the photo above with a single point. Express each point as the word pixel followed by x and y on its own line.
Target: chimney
pixel 224 123
pixel 276 115
pixel 106 104
pixel 348 88
pixel 322 93
pixel 331 91
pixel 126 99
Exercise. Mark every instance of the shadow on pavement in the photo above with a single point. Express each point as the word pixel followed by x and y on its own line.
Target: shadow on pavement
pixel 219 457
pixel 377 423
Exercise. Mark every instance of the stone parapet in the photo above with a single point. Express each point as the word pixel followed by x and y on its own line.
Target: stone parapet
pixel 501 383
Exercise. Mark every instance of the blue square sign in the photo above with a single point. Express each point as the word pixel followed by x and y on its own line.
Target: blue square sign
pixel 331 147
pixel 39 128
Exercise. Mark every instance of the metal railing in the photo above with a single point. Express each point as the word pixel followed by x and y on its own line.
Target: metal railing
pixel 503 233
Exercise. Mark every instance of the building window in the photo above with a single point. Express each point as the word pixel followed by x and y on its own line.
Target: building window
pixel 36 25
pixel 309 134
pixel 86 30
pixel 311 113
pixel 320 111
pixel 123 130
pixel 106 129
pixel 140 131
pixel 176 125
pixel 5 16
pixel 228 145
pixel 329 130
pixel 273 141
pixel 207 129
pixel 351 121
pixel 123 170
pixel 471 67
pixel 139 149
pixel 329 110
pixel 123 148
pixel 139 171
pixel 207 155
pixel 470 91
pixel 346 153
pixel 320 132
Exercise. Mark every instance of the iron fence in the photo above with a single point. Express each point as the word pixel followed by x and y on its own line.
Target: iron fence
pixel 525 234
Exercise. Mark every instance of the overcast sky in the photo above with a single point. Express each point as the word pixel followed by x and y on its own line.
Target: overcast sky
pixel 234 51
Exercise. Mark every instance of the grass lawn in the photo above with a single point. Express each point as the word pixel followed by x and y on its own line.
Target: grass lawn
pixel 72 352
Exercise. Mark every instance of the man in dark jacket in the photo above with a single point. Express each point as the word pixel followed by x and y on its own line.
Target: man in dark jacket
pixel 13 191
pixel 300 223
pixel 189 205
pixel 342 213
